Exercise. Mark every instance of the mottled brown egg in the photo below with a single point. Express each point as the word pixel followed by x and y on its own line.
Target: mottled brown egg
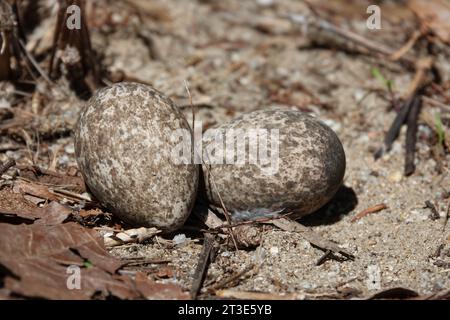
pixel 271 160
pixel 123 144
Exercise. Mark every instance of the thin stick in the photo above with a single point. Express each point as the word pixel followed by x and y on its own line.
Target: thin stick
pixel 34 63
pixel 394 129
pixel 202 266
pixel 411 136
pixel 419 81
pixel 324 257
pixel 406 47
pixel 193 122
pixel 232 278
pixel 447 214
pixel 422 67
pixel 247 222
pixel 365 212
pixel 8 164
pixel 346 34
pixel 311 236
pixel 226 213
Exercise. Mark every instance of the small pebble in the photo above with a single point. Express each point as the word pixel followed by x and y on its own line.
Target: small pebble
pixel 274 251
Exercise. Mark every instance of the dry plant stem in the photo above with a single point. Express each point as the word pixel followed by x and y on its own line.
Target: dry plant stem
pixel 406 47
pixel 324 257
pixel 447 215
pixel 226 213
pixel 205 258
pixel 418 83
pixel 422 67
pixel 8 164
pixel 411 136
pixel 243 223
pixel 37 67
pixel 365 212
pixel 311 237
pixel 193 121
pixel 246 295
pixel 346 34
pixel 231 279
pixel 135 263
pixel 72 195
pixel 394 130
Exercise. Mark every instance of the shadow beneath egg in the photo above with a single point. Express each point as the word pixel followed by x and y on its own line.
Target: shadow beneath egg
pixel 341 204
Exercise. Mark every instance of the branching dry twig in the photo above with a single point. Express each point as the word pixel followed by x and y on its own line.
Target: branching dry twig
pixel 349 35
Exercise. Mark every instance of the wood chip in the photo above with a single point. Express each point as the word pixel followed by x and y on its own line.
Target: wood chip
pixel 138 235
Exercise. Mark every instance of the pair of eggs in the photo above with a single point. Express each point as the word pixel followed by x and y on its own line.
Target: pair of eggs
pixel 261 162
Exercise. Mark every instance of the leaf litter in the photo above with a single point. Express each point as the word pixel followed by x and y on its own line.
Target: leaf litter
pixel 39 246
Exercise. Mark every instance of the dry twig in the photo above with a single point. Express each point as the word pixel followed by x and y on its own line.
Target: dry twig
pixel 5 166
pixel 205 258
pixel 311 237
pixel 365 212
pixel 411 136
pixel 226 213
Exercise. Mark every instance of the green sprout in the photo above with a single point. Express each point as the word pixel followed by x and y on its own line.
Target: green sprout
pixel 439 128
pixel 87 264
pixel 377 75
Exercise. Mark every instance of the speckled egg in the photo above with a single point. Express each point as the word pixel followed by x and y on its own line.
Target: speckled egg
pixel 273 160
pixel 123 145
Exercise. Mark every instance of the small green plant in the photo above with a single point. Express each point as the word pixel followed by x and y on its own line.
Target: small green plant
pixel 377 75
pixel 87 264
pixel 439 128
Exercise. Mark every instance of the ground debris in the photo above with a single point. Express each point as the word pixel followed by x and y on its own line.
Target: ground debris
pixel 435 15
pixel 129 236
pixel 40 260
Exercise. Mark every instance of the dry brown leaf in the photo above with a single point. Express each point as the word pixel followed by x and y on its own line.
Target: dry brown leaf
pixel 158 291
pixel 435 15
pixel 52 178
pixel 15 205
pixel 37 258
pixel 34 189
pixel 53 213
